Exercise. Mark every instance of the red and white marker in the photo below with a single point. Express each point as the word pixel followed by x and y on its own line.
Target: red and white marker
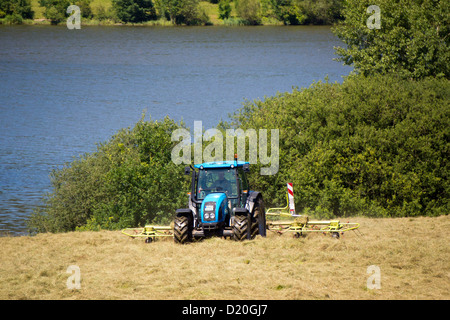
pixel 291 198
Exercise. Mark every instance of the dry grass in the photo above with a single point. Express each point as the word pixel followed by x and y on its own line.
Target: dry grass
pixel 412 254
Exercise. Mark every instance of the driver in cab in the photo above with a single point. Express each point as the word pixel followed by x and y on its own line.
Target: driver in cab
pixel 223 184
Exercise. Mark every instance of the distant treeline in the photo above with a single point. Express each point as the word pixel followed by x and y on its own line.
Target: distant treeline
pixel 186 12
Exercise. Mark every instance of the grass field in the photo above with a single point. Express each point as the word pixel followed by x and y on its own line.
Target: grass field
pixel 412 254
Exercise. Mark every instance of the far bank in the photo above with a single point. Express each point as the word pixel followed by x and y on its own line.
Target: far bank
pixel 175 12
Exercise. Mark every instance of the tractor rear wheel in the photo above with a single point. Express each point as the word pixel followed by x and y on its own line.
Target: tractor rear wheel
pixel 259 219
pixel 240 227
pixel 182 230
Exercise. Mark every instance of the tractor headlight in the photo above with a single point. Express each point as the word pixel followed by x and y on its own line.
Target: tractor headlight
pixel 209 211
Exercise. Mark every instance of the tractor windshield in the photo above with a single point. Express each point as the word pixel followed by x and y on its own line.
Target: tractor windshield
pixel 217 180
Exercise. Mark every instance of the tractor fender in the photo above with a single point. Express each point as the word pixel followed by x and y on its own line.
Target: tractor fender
pixel 185 213
pixel 251 200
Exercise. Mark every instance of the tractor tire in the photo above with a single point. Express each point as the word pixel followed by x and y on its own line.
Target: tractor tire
pixel 240 227
pixel 259 219
pixel 182 230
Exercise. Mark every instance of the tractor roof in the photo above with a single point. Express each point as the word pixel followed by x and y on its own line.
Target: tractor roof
pixel 220 164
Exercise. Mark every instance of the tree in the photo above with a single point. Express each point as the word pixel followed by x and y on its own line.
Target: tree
pixel 288 11
pixel 249 10
pixel 134 10
pixel 224 9
pixel 85 8
pixel 375 146
pixel 322 11
pixel 412 39
pixel 129 181
pixel 183 12
pixel 20 8
pixel 55 10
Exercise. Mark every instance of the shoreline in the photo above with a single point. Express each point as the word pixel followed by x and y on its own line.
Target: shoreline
pixel 231 22
pixel 154 23
pixel 102 13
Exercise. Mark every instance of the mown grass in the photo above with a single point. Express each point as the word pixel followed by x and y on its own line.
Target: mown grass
pixel 412 253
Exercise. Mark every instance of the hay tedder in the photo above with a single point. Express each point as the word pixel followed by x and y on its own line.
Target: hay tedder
pixel 301 225
pixel 222 204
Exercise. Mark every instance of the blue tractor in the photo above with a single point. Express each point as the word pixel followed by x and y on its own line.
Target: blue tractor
pixel 220 204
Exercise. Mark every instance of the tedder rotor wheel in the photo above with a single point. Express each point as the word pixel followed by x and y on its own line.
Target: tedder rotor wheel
pixel 181 230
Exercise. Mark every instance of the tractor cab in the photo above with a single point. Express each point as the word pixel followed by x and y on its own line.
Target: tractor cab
pixel 226 177
pixel 219 201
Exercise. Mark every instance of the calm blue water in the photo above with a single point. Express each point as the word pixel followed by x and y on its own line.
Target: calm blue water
pixel 61 90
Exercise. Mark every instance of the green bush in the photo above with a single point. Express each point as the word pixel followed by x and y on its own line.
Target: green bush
pixel 224 9
pixel 13 19
pixel 134 10
pixel 55 10
pixel 376 146
pixel 186 12
pixel 412 40
pixel 85 8
pixel 14 11
pixel 249 11
pixel 129 181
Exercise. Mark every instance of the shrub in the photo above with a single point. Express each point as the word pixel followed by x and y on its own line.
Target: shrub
pixel 129 181
pixel 377 146
pixel 55 10
pixel 13 19
pixel 134 10
pixel 224 9
pixel 412 40
pixel 249 11
pixel 14 11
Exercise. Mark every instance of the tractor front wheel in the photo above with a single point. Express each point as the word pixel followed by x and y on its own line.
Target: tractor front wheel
pixel 182 230
pixel 240 227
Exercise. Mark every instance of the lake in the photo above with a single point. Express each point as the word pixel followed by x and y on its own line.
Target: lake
pixel 62 91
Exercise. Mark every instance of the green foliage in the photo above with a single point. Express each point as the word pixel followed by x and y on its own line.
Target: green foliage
pixel 224 9
pixel 85 8
pixel 295 12
pixel 413 40
pixel 129 181
pixel 134 10
pixel 13 19
pixel 55 10
pixel 16 10
pixel 249 10
pixel 185 12
pixel 190 12
pixel 321 12
pixel 287 11
pixel 376 146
